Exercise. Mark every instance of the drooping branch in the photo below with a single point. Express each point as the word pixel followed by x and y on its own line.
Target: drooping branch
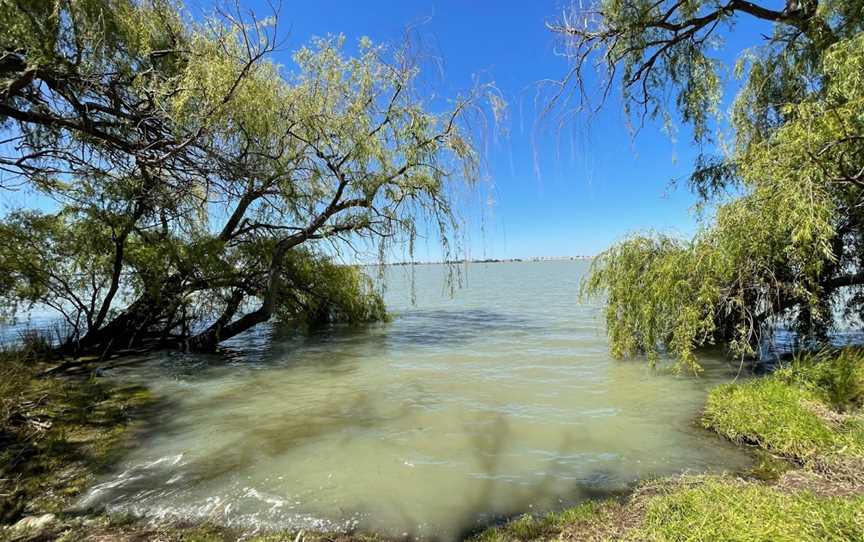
pixel 651 42
pixel 250 173
pixel 840 281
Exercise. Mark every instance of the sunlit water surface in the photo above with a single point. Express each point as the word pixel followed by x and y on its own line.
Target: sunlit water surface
pixel 457 413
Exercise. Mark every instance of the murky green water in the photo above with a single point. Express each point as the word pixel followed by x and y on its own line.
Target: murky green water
pixel 460 411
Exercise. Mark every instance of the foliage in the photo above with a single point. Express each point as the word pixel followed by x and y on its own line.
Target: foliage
pixel 666 52
pixel 727 510
pixel 320 291
pixel 787 245
pixel 197 186
pixel 674 305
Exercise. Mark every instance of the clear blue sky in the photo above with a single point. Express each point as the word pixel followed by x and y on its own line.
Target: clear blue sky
pixel 596 183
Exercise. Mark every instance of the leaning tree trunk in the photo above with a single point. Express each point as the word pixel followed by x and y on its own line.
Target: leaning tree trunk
pixel 224 327
pixel 134 326
pixel 130 326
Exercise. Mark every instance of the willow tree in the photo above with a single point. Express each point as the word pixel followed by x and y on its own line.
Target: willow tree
pixel 186 188
pixel 786 242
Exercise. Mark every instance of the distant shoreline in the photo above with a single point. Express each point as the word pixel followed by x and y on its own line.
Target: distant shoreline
pixel 497 260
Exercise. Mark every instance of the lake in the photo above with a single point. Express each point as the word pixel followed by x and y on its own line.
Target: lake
pixel 459 412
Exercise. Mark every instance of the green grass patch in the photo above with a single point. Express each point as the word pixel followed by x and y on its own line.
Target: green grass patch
pixel 587 515
pixel 55 435
pixel 773 415
pixel 726 510
pixel 804 410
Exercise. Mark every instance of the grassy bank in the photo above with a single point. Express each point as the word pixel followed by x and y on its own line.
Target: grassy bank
pixel 56 435
pixel 805 420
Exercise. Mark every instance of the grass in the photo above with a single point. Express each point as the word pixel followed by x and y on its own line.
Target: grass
pixel 700 508
pixel 56 435
pixel 803 411
pixel 723 509
pixel 772 415
pixel 697 508
pixel 835 376
pixel 588 518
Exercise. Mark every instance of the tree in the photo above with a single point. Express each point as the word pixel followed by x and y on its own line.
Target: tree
pixel 785 243
pixel 199 191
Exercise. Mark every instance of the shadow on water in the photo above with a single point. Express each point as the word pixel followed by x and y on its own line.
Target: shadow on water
pixel 249 421
pixel 494 499
pixel 485 510
pixel 489 446
pixel 271 344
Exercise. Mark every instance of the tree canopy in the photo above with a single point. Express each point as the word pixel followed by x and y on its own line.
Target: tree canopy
pixel 786 242
pixel 198 189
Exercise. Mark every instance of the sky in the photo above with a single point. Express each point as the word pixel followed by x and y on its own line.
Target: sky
pixel 546 191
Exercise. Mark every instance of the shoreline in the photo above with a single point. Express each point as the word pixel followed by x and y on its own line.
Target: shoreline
pixel 532 259
pixel 825 477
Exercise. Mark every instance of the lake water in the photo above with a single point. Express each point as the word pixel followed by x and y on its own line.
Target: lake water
pixel 461 411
